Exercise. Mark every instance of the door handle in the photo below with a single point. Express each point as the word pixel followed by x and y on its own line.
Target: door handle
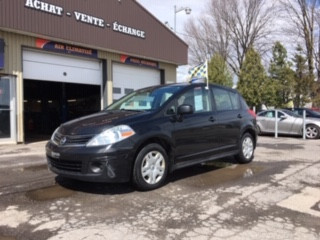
pixel 212 119
pixel 239 115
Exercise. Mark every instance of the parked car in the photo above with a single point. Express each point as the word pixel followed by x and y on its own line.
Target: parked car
pixel 309 113
pixel 153 131
pixel 288 123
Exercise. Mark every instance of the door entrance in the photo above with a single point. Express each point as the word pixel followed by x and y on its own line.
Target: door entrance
pixel 48 104
pixel 7 110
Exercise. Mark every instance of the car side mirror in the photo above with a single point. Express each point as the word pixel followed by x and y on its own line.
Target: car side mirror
pixel 185 109
pixel 283 117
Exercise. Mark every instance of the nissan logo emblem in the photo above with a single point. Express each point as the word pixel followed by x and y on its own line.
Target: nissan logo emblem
pixel 63 140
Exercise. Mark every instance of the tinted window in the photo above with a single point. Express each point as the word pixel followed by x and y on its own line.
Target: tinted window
pixel 222 99
pixel 234 100
pixel 280 114
pixel 314 113
pixel 197 97
pixel 290 113
pixel 244 105
pixel 298 112
pixel 261 114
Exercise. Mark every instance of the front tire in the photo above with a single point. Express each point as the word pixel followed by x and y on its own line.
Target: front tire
pixel 246 149
pixel 150 168
pixel 312 131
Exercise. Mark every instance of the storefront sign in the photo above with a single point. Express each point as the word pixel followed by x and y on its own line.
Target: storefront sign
pixel 128 30
pixel 81 17
pixel 65 48
pixel 1 53
pixel 138 61
pixel 44 7
pixel 84 18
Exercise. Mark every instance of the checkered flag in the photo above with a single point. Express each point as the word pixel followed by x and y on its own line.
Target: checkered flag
pixel 199 72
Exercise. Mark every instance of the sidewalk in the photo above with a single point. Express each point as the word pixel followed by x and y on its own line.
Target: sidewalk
pixel 22 154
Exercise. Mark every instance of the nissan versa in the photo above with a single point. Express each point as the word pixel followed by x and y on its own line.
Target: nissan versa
pixel 153 131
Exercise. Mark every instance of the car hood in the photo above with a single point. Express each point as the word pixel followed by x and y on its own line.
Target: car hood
pixel 96 123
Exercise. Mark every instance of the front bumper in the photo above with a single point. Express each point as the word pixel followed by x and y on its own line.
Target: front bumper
pixel 94 164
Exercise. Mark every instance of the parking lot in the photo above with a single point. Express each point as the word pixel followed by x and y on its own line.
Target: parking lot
pixel 277 196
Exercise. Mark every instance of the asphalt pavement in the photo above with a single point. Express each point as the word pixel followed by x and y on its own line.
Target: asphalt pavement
pixel 277 196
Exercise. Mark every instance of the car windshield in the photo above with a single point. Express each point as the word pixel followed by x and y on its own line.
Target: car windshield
pixel 290 113
pixel 315 113
pixel 147 99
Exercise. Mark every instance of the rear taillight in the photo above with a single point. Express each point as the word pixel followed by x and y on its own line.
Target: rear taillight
pixel 252 113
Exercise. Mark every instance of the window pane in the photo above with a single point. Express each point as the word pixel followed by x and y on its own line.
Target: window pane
pixel 147 99
pixel 270 114
pixel 4 108
pixel 5 124
pixel 201 100
pixel 222 99
pixel 4 94
pixel 234 100
pixel 198 98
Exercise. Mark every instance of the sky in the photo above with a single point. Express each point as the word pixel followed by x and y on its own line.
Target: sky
pixel 163 10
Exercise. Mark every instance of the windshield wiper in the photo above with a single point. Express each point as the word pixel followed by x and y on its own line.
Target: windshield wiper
pixel 132 110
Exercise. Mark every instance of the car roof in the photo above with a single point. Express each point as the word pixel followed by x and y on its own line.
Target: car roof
pixel 187 84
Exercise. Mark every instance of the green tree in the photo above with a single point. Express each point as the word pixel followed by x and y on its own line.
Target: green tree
pixel 254 85
pixel 218 71
pixel 303 84
pixel 281 75
pixel 316 94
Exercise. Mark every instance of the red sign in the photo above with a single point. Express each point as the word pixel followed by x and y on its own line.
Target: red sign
pixel 65 48
pixel 138 61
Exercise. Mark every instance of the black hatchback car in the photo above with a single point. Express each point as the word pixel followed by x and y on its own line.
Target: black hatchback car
pixel 153 131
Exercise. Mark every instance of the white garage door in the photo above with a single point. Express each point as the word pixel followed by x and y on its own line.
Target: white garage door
pixel 53 67
pixel 127 78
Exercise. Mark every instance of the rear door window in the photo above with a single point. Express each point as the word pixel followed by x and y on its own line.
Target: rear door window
pixel 225 100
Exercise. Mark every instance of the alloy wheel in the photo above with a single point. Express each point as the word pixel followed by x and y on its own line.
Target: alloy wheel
pixel 312 132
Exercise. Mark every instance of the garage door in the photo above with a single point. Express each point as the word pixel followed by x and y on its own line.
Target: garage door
pixel 52 67
pixel 127 78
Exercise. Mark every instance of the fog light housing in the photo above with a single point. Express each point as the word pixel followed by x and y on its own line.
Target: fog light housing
pixel 96 167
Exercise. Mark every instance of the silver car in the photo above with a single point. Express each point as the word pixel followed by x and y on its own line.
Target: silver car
pixel 288 123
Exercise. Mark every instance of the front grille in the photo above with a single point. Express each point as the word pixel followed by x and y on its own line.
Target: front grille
pixel 72 140
pixel 64 165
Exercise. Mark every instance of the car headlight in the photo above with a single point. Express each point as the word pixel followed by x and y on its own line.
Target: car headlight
pixel 111 135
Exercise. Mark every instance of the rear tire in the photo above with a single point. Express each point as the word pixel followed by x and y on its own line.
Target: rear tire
pixel 246 149
pixel 312 131
pixel 150 168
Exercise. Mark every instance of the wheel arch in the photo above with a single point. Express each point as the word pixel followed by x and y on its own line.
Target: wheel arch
pixel 162 141
pixel 252 132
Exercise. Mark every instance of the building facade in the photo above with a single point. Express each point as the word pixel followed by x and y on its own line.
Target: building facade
pixel 62 59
